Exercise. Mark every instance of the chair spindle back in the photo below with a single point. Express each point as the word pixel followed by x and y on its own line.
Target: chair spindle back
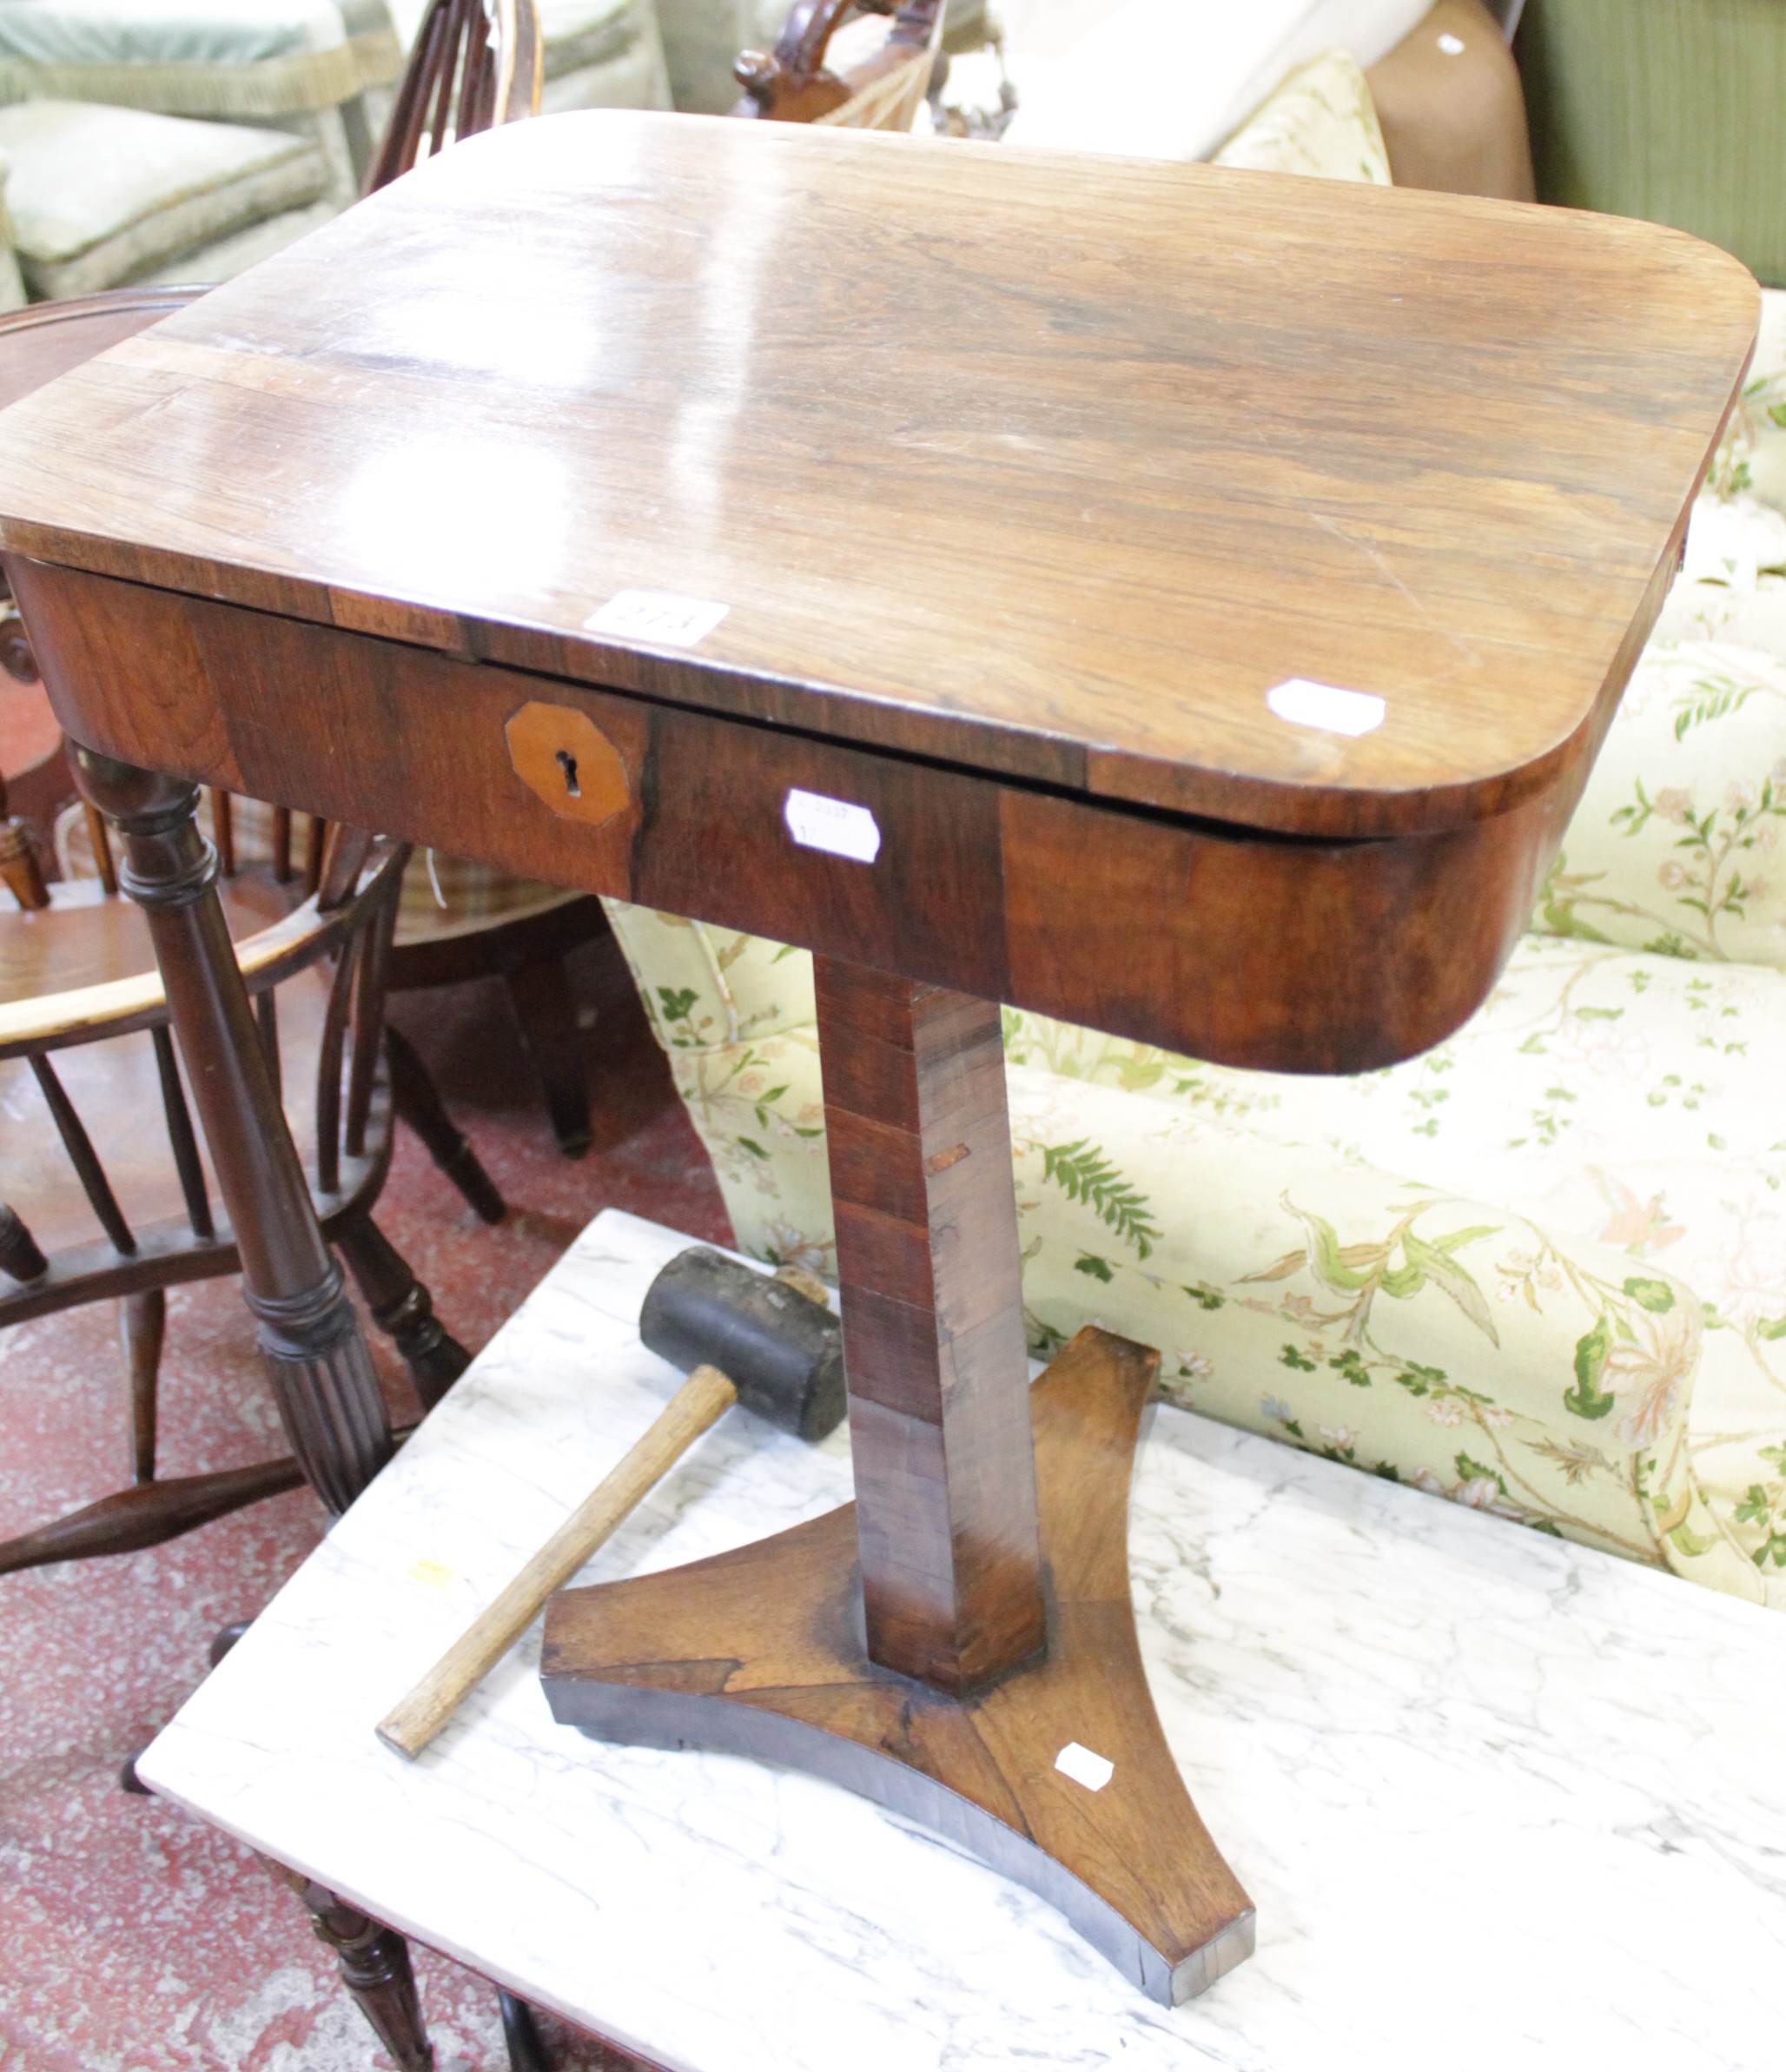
pixel 475 63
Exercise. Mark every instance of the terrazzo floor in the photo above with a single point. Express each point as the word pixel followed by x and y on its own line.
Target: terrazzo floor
pixel 133 1939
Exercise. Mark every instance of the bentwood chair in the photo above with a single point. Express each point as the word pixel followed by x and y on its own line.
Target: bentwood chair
pixel 35 345
pixel 471 67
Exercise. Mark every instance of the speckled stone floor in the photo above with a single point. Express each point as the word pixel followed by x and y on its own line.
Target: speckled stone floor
pixel 133 1939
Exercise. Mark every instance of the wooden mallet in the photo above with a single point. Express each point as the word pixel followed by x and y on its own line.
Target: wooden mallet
pixel 741 1337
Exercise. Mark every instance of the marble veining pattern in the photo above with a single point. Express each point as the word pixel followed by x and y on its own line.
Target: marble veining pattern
pixel 1499 1800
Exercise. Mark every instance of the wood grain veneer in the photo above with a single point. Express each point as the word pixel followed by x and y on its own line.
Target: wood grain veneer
pixel 1038 465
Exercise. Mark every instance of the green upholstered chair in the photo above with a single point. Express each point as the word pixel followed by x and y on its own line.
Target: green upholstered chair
pixel 1665 109
pixel 149 142
pixel 99 196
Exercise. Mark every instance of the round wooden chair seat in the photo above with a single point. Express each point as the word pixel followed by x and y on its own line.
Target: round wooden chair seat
pixel 82 938
pixel 115 1086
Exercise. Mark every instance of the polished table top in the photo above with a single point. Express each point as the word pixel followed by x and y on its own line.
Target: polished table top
pixel 1047 467
pixel 1051 546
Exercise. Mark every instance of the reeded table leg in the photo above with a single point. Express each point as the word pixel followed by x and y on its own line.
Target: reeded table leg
pixel 322 1377
pixel 375 1969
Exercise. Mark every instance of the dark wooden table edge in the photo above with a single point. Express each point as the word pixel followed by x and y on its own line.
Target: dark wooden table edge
pixel 1220 802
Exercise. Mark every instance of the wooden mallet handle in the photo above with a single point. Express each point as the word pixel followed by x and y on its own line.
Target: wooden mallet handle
pixel 702 1399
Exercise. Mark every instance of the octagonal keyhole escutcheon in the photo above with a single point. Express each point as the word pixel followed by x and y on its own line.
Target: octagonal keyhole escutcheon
pixel 564 758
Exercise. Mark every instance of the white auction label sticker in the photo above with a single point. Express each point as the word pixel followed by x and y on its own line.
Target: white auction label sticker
pixel 832 825
pixel 1084 1766
pixel 658 616
pixel 1325 706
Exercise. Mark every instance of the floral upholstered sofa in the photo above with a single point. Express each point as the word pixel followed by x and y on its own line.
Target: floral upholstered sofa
pixel 1540 1270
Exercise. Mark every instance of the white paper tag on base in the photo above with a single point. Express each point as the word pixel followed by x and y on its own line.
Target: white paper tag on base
pixel 833 825
pixel 1325 706
pixel 1085 1766
pixel 658 616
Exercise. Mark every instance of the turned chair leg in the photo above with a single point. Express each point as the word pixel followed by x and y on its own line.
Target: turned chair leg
pixel 310 1338
pixel 540 993
pixel 417 1099
pixel 403 1309
pixel 142 1323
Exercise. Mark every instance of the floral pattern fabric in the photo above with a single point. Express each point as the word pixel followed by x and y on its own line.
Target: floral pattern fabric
pixel 1541 1269
pixel 1320 120
pixel 1674 846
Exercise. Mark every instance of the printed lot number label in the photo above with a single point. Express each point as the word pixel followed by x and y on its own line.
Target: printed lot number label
pixel 833 825
pixel 658 616
pixel 1085 1766
pixel 1325 707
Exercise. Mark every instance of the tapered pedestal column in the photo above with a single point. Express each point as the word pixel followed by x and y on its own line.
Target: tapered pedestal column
pixel 958 1644
pixel 931 1291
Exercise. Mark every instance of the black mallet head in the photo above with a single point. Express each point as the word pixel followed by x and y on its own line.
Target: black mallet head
pixel 783 1354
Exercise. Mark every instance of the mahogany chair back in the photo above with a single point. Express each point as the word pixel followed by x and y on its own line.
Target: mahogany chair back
pixel 794 83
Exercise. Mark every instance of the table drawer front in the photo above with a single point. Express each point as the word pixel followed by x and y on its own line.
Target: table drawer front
pixel 1231 946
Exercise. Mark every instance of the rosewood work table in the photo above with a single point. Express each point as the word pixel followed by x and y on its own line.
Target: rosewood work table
pixel 1183 601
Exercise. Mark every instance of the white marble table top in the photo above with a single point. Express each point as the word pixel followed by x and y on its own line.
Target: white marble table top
pixel 1501 1802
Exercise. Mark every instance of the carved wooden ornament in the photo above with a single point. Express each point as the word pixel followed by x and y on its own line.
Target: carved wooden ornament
pixel 563 756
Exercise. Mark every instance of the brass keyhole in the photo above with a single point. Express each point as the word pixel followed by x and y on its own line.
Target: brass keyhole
pixel 567 763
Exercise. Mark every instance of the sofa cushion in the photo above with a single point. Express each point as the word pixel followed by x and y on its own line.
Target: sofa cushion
pixel 1319 122
pixel 602 54
pixel 1407 1328
pixel 99 195
pixel 1676 844
pixel 585 32
pixel 12 286
pixel 217 58
pixel 1347 1290
pixel 1588 1075
pixel 1605 1095
pixel 1752 456
pixel 223 258
pixel 706 988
